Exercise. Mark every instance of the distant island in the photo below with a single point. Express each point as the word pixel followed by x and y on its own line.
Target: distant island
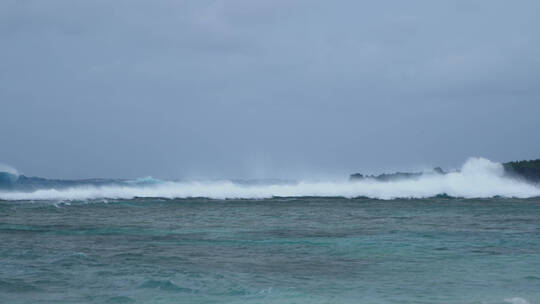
pixel 528 170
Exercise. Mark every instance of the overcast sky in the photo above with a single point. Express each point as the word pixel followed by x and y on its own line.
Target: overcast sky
pixel 259 88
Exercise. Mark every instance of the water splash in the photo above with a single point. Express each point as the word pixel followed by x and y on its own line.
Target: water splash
pixel 478 178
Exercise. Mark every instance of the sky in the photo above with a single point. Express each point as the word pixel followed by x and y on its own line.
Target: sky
pixel 259 89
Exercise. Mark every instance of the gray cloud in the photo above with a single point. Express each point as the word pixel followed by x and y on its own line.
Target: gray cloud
pixel 244 88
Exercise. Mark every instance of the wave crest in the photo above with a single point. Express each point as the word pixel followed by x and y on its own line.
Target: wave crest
pixel 478 178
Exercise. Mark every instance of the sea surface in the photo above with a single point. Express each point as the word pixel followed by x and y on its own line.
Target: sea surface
pixel 270 250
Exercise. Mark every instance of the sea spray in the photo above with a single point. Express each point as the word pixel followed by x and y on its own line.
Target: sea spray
pixel 478 178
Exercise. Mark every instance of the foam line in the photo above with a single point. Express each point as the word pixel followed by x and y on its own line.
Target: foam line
pixel 478 178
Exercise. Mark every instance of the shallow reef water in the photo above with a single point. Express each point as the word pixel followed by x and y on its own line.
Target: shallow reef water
pixel 278 250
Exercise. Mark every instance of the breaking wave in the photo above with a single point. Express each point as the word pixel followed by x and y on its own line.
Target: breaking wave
pixel 478 178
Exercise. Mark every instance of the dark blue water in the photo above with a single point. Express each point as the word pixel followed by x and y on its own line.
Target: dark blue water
pixel 297 250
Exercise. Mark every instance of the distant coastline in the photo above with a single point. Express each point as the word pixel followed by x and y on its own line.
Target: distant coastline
pixel 477 178
pixel 528 170
pixel 525 170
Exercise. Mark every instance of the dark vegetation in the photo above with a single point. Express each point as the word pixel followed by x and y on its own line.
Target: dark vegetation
pixel 386 177
pixel 528 170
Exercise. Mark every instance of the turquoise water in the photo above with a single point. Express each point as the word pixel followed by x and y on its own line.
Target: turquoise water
pixel 295 250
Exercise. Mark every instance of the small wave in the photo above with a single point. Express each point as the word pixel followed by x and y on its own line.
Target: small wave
pixel 478 178
pixel 144 181
pixel 120 300
pixel 167 285
pixel 516 300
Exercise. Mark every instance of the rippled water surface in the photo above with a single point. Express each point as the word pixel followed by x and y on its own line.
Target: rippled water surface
pixel 297 250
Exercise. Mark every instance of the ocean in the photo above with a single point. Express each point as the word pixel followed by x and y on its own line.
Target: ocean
pixel 278 250
pixel 471 236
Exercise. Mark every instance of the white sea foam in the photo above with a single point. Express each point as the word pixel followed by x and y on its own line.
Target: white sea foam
pixel 516 300
pixel 478 178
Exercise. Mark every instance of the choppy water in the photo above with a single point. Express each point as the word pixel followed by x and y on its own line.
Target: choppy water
pixel 287 250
